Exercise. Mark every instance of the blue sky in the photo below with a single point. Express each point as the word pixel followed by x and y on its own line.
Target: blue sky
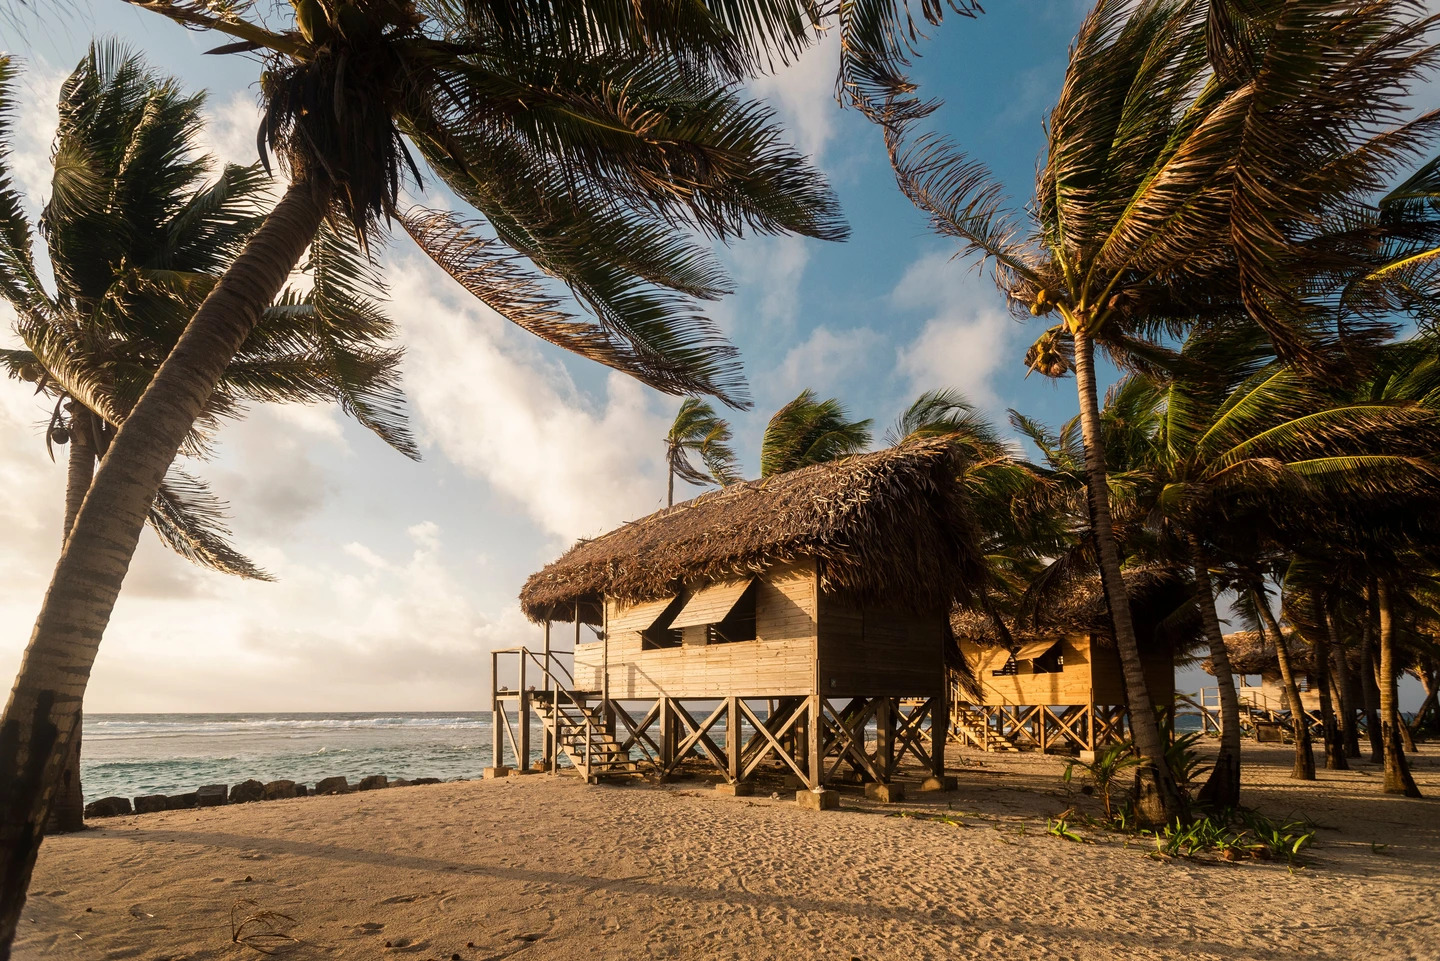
pixel 395 578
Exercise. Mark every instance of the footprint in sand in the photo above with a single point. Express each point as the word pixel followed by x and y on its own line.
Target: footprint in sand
pixel 407 944
pixel 368 927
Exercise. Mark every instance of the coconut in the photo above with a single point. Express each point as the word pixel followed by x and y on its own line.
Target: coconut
pixel 60 435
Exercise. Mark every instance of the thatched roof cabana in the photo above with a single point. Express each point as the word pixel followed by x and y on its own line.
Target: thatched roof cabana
pixel 889 525
pixel 1253 653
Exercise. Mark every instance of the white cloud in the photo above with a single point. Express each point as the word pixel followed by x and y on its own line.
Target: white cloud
pixel 389 631
pixel 827 360
pixel 493 404
pixel 803 95
pixel 230 127
pixel 968 337
pixel 769 271
pixel 37 115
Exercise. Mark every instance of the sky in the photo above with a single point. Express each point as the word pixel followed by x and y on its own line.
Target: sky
pixel 395 579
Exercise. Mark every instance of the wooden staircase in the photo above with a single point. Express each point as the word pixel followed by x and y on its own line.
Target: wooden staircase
pixel 971 727
pixel 581 732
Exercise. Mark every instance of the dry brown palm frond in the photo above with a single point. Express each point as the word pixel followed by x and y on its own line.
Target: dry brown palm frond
pixel 259 928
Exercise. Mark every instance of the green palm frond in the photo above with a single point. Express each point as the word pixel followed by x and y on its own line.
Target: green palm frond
pixel 644 330
pixel 600 142
pixel 191 521
pixel 698 431
pixel 945 413
pixel 809 431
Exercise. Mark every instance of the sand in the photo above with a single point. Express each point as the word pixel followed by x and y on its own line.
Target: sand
pixel 548 868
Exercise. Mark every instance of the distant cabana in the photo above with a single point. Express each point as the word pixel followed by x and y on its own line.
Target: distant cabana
pixel 1053 679
pixel 807 606
pixel 1252 654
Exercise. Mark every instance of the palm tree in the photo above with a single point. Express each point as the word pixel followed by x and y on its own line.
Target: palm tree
pixel 808 431
pixel 594 140
pixel 697 431
pixel 1173 194
pixel 133 237
pixel 1014 502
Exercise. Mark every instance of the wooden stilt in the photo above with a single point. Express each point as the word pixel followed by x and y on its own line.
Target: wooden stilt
pixel 732 738
pixel 522 749
pixel 497 737
pixel 548 744
pixel 885 738
pixel 814 726
pixel 939 728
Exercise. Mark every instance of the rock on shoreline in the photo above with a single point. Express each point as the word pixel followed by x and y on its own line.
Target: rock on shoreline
pixel 215 795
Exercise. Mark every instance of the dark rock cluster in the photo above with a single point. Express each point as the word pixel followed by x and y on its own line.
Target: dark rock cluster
pixel 214 795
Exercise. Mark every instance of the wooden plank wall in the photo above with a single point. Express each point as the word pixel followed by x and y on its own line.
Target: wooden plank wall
pixel 874 652
pixel 781 661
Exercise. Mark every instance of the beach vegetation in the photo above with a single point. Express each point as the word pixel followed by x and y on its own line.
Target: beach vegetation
pixel 1107 775
pixel 1190 185
pixel 1235 834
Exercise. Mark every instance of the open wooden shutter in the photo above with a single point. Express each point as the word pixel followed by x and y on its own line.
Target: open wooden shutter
pixel 711 605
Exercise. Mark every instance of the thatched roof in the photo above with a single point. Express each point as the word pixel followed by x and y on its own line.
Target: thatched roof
pixel 1252 653
pixel 1161 607
pixel 890 526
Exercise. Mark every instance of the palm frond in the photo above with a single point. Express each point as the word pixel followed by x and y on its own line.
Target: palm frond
pixel 191 521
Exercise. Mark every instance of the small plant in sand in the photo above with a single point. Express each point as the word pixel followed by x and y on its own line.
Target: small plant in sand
pixel 1060 827
pixel 1105 773
pixel 1235 835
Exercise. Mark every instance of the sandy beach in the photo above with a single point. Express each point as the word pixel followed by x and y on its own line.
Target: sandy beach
pixel 549 868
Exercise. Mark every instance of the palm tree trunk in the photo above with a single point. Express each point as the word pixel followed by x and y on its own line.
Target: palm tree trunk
pixel 1157 798
pixel 670 486
pixel 41 717
pixel 1369 691
pixel 1406 741
pixel 1222 789
pixel 67 811
pixel 1397 771
pixel 1320 655
pixel 1343 687
pixel 1304 769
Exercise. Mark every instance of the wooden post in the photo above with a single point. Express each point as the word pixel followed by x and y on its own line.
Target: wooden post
pixel 885 738
pixel 548 746
pixel 522 750
pixel 606 717
pixel 814 725
pixel 732 738
pixel 1044 728
pixel 497 738
pixel 939 734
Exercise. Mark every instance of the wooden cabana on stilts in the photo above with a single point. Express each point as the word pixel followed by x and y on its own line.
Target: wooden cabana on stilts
pixel 794 612
pixel 1054 681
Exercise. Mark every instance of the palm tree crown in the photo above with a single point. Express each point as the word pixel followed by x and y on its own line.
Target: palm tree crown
pixel 698 432
pixel 136 236
pixel 809 431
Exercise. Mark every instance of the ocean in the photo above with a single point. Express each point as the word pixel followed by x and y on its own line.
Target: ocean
pixel 134 754
pixel 129 755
